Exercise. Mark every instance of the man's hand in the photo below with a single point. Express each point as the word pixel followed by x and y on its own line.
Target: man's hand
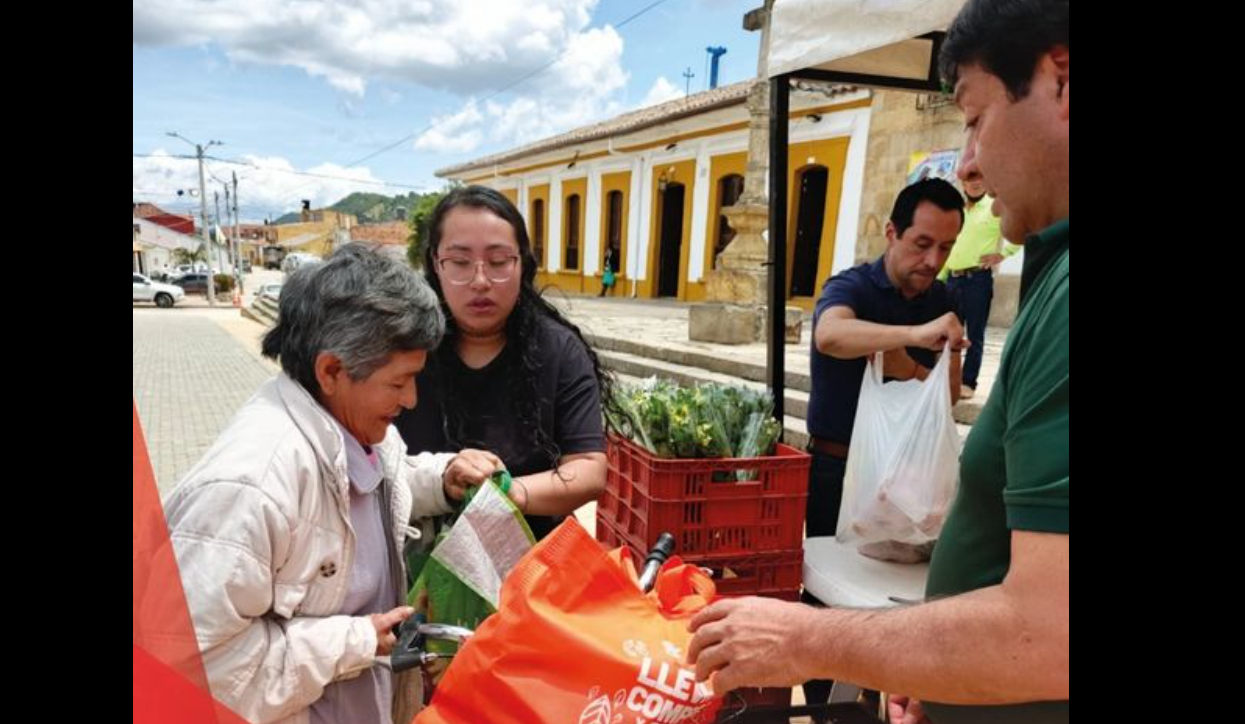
pixel 384 623
pixel 897 364
pixel 749 642
pixel 469 470
pixel 935 335
pixel 990 261
pixel 903 710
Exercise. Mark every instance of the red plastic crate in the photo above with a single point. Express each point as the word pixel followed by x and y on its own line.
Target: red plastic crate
pixel 701 503
pixel 773 575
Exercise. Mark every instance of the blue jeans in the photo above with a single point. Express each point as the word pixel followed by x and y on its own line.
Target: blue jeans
pixel 825 495
pixel 976 292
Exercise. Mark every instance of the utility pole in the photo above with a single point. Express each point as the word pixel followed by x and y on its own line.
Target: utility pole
pixel 216 198
pixel 237 240
pixel 203 211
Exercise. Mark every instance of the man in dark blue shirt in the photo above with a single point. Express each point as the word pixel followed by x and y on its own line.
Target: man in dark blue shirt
pixel 894 305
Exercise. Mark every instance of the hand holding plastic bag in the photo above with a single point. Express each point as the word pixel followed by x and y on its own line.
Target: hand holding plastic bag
pixel 903 466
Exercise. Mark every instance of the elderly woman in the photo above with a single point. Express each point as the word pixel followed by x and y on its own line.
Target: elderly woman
pixel 289 532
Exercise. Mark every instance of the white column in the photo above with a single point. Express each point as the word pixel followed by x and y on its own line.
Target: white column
pixel 700 215
pixel 853 191
pixel 554 239
pixel 633 223
pixel 524 203
pixel 640 230
pixel 591 253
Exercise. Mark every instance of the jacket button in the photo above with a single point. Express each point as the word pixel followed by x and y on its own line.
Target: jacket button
pixel 328 569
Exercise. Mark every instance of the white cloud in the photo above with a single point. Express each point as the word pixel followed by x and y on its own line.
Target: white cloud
pixel 582 87
pixel 457 133
pixel 471 48
pixel 661 92
pixel 461 45
pixel 266 187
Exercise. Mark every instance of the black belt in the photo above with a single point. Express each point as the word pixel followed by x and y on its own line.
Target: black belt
pixel 969 272
pixel 828 447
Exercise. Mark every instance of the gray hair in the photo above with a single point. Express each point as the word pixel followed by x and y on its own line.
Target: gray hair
pixel 356 305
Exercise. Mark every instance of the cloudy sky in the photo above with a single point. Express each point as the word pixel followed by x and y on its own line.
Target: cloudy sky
pixel 314 99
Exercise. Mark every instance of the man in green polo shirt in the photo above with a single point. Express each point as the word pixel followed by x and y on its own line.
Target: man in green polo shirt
pixel 969 274
pixel 991 643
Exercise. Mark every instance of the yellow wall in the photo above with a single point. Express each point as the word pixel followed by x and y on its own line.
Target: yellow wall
pixel 533 194
pixel 719 168
pixel 568 280
pixel 611 182
pixel 831 153
pixel 684 173
pixel 320 246
pixel 821 110
pixel 329 222
pixel 512 194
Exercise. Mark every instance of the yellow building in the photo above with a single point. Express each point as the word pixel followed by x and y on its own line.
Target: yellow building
pixel 319 232
pixel 650 186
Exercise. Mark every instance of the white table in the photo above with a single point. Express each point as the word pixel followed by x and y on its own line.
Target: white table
pixel 838 575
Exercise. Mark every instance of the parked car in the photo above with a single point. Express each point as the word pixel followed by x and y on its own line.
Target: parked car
pixel 164 295
pixel 297 259
pixel 270 291
pixel 195 283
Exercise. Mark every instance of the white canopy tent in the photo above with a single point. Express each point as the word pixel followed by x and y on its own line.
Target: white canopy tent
pixel 884 43
pixel 890 44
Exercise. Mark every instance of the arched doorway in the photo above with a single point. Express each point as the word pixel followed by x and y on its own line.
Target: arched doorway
pixel 810 221
pixel 670 254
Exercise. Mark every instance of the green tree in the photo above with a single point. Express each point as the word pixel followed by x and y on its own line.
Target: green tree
pixel 190 256
pixel 418 222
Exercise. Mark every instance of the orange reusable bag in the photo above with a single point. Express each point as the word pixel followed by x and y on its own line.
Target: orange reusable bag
pixel 575 641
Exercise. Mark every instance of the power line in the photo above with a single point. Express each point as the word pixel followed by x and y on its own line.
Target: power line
pixel 428 127
pixel 249 164
pixel 506 89
pixel 250 207
pixel 415 187
pixel 147 192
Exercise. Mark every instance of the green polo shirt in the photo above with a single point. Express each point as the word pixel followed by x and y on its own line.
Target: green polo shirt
pixel 1014 468
pixel 981 235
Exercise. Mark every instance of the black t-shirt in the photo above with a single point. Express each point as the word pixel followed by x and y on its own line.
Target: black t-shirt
pixel 569 399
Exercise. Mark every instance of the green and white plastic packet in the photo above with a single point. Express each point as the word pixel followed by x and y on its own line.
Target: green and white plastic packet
pixel 487 540
pixel 460 583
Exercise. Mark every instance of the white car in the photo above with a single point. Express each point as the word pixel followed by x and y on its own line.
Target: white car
pixel 296 260
pixel 164 295
pixel 270 291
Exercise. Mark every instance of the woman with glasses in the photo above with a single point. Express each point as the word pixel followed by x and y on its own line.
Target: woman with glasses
pixel 513 376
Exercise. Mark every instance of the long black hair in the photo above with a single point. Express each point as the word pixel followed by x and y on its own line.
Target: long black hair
pixel 524 354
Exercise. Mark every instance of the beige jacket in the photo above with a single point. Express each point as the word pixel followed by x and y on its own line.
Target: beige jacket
pixel 261 530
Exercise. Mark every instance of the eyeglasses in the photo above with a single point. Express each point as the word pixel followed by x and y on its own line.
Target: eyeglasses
pixel 461 271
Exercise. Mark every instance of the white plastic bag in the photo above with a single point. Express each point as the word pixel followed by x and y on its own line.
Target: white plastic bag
pixel 903 465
